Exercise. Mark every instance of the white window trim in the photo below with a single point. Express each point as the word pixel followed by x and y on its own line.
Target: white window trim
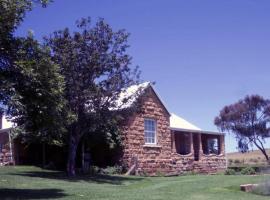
pixel 151 119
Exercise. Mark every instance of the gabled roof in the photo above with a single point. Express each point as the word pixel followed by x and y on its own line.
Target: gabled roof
pixel 131 94
pixel 6 123
pixel 177 122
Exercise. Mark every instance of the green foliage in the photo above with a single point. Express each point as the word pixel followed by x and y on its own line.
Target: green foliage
pixel 96 67
pixel 249 120
pixel 230 172
pixel 110 170
pixel 70 84
pixel 31 86
pixel 248 171
pixel 37 104
pixel 12 14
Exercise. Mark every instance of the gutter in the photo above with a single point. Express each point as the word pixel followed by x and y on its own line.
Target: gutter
pixel 196 131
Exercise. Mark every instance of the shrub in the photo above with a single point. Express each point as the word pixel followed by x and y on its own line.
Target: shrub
pixel 248 171
pixel 230 172
pixel 112 170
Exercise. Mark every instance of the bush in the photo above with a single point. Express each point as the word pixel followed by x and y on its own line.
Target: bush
pixel 230 172
pixel 248 171
pixel 112 170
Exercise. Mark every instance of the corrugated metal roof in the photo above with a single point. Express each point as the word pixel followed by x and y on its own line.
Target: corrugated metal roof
pixel 5 123
pixel 129 95
pixel 177 122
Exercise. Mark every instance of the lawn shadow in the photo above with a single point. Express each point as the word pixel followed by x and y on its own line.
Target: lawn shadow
pixel 99 178
pixel 12 193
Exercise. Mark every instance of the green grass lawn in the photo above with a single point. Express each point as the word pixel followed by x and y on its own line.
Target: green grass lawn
pixel 35 183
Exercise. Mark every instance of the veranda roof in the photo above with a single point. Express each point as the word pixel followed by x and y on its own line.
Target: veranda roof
pixel 181 125
pixel 177 122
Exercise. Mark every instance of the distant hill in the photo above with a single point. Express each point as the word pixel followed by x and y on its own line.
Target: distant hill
pixel 252 157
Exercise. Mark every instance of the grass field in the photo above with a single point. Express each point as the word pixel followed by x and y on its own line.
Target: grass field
pixel 35 183
pixel 252 157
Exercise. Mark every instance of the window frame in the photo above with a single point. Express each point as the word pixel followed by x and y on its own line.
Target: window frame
pixel 149 131
pixel 215 146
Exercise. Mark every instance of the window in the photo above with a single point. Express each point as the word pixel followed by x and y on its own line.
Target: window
pixel 182 143
pixel 210 144
pixel 150 131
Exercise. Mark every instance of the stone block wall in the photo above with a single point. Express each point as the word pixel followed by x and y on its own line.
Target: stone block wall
pixel 150 158
pixel 163 157
pixel 210 164
pixel 5 151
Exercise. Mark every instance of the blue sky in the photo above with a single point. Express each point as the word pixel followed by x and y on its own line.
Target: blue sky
pixel 202 55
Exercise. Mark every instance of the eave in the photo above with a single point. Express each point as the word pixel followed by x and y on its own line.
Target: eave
pixel 196 131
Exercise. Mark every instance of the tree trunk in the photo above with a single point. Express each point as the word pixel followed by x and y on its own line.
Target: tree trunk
pixel 43 155
pixel 262 149
pixel 82 157
pixel 71 164
pixel 265 155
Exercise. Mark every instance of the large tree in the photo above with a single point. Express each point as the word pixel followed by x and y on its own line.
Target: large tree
pixel 12 15
pixel 31 86
pixel 96 67
pixel 249 120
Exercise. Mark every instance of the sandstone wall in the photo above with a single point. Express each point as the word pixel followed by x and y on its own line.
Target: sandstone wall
pixel 150 158
pixel 162 157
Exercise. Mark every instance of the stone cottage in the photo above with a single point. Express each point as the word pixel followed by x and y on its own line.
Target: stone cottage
pixel 156 141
